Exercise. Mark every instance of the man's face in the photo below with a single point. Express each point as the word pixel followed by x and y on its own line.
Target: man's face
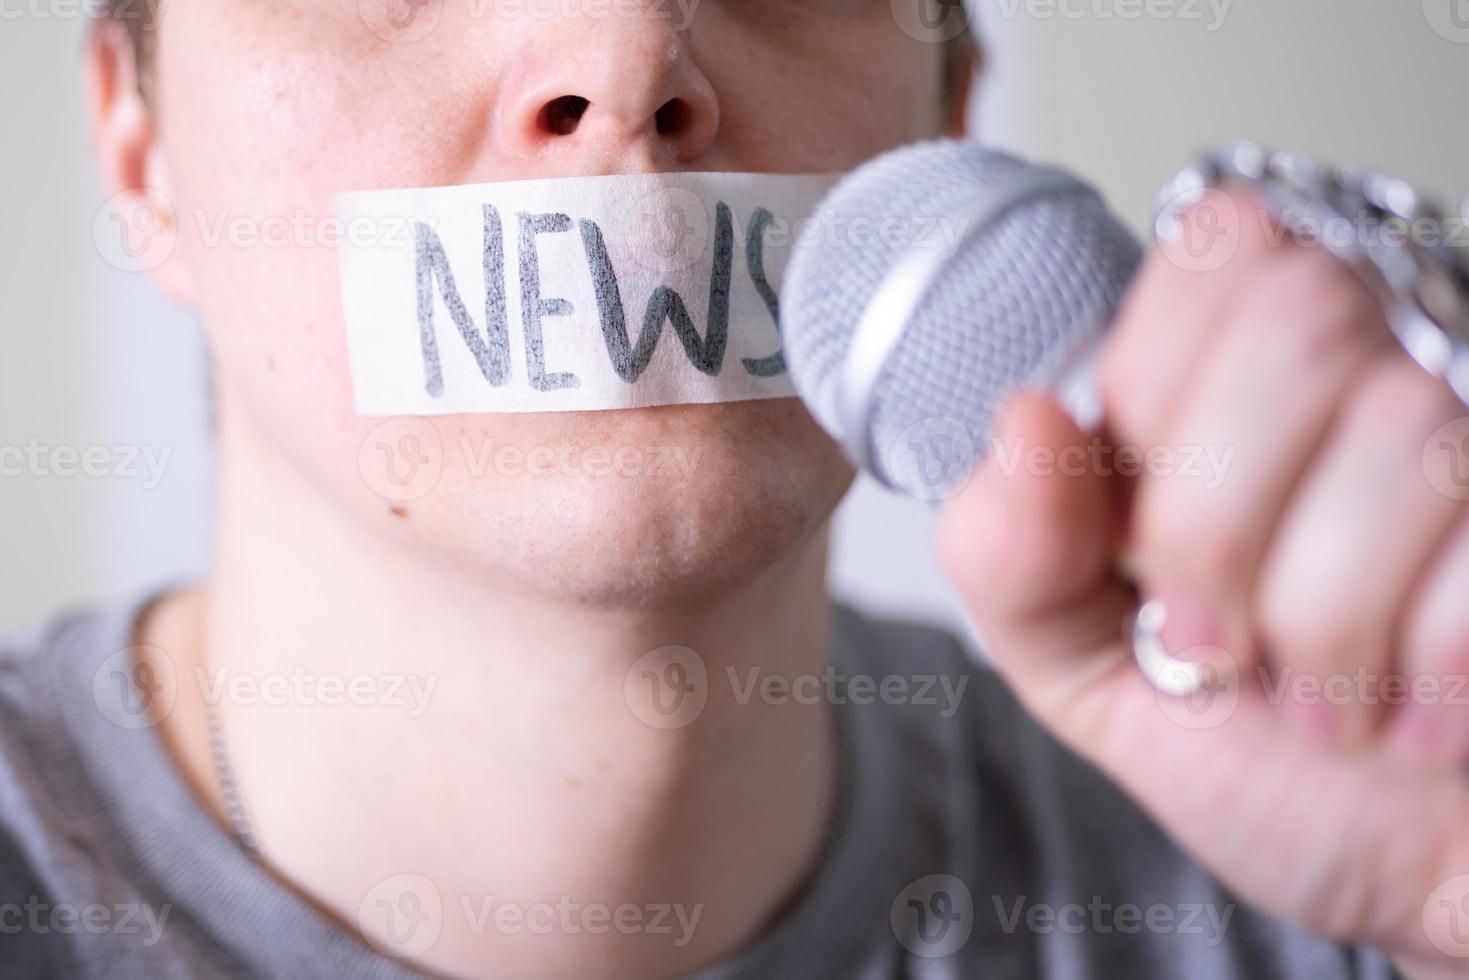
pixel 267 108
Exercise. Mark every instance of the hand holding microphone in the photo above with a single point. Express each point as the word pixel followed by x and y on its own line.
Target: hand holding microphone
pixel 1321 769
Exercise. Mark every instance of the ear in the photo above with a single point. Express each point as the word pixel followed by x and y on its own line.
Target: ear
pixel 137 227
pixel 964 72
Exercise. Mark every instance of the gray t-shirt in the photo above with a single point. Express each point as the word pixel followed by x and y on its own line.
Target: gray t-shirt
pixel 968 844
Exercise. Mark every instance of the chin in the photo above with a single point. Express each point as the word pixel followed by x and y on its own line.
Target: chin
pixel 703 500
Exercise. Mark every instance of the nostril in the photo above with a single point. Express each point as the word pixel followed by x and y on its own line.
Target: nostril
pixel 673 117
pixel 560 117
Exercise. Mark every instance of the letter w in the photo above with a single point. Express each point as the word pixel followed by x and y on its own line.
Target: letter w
pixel 705 353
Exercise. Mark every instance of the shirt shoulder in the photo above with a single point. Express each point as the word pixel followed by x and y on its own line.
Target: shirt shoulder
pixel 52 852
pixel 38 757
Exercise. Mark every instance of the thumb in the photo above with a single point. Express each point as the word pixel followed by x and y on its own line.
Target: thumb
pixel 1029 544
pixel 1032 544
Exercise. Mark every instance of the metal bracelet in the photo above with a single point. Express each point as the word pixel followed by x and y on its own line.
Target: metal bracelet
pixel 1412 254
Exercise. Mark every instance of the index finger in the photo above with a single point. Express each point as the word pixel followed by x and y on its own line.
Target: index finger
pixel 1176 305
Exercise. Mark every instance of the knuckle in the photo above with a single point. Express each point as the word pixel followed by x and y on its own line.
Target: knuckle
pixel 1310 306
pixel 959 544
pixel 1206 547
pixel 1124 383
pixel 1318 638
pixel 973 542
pixel 1398 395
pixel 1438 636
pixel 1293 630
pixel 1444 660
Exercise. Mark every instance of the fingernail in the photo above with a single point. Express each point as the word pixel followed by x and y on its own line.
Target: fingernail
pixel 1188 624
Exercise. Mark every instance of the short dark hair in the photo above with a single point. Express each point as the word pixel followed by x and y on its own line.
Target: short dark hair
pixel 963 57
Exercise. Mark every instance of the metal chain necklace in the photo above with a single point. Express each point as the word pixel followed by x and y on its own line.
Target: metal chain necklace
pixel 229 790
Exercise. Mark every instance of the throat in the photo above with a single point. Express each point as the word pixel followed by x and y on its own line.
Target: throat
pixel 586 793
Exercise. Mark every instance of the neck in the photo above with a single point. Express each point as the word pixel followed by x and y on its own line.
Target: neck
pixel 524 762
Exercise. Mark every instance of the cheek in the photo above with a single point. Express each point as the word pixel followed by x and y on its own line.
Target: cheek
pixel 821 96
pixel 301 97
pixel 269 111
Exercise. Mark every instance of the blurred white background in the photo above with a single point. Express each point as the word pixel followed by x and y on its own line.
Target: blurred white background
pixel 1121 91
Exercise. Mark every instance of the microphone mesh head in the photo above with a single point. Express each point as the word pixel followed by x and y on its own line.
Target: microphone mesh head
pixel 1016 295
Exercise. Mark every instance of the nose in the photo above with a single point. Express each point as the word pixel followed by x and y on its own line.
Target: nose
pixel 625 97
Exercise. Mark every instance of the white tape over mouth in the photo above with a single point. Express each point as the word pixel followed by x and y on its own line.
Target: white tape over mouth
pixel 577 294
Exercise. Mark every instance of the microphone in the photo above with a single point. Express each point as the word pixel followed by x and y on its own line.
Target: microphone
pixel 930 284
